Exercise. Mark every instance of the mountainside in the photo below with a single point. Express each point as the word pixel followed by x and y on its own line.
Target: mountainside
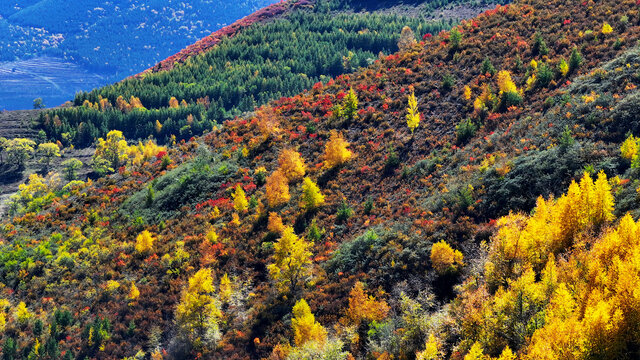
pixel 109 39
pixel 411 209
pixel 301 45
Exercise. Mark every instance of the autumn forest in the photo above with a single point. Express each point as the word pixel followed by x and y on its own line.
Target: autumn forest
pixel 419 180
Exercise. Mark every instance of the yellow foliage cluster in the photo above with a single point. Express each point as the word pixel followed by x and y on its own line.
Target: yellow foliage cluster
pixel 291 165
pixel 335 150
pixel 134 293
pixel 225 288
pixel 444 258
pixel 134 103
pixel 363 308
pixel 292 257
pixel 304 324
pixel 173 103
pixel 629 148
pixel 138 154
pixel 240 202
pixel 551 228
pixel 22 313
pixel 275 223
pixel 111 153
pixel 505 84
pixel 563 67
pixel 582 304
pixel 467 93
pixel 144 241
pixel 277 189
pixel 311 195
pixel 431 351
pixel 606 29
pixel 197 313
pixel 212 236
pixel 485 100
pixel 413 115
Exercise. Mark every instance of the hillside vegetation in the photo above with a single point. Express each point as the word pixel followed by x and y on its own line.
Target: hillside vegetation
pixel 262 62
pixel 472 196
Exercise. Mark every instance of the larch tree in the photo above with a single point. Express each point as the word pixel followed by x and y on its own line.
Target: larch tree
pixel 407 39
pixel 291 164
pixel 277 189
pixel 413 115
pixel 304 325
pixel 363 307
pixel 291 261
pixel 335 150
pixel 240 202
pixel 144 241
pixel 444 258
pixel 311 195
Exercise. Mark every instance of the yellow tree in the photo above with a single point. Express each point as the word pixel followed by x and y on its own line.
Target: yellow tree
pixel 363 308
pixel 144 241
pixel 173 103
pixel 225 288
pixel 311 195
pixel 413 115
pixel 277 189
pixel 197 313
pixel 304 325
pixel 240 202
pixel 110 153
pixel 431 350
pixel 275 223
pixel 505 84
pixel 335 150
pixel 134 293
pixel 444 258
pixel 18 150
pixel 291 164
pixel 47 152
pixel 629 148
pixel 291 261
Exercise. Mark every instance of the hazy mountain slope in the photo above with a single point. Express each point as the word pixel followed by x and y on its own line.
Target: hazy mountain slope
pixel 550 283
pixel 110 39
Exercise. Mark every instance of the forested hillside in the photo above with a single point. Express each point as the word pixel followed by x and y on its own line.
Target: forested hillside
pixel 472 196
pixel 262 62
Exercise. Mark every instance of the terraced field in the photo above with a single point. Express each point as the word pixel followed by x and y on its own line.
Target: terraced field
pixel 52 79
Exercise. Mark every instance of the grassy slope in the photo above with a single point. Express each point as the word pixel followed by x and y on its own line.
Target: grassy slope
pixel 423 201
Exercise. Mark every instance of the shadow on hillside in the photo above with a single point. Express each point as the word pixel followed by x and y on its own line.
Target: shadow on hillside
pixel 10 174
